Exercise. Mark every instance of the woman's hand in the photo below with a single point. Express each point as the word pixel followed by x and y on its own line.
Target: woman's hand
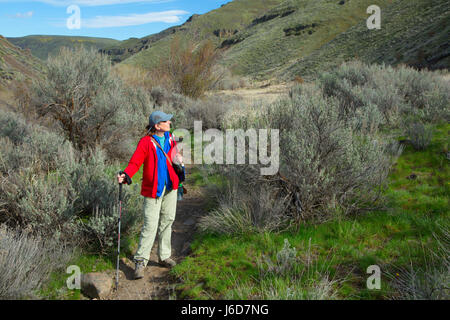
pixel 121 178
pixel 179 159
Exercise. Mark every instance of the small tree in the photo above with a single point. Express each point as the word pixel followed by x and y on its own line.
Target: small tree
pixel 189 69
pixel 88 102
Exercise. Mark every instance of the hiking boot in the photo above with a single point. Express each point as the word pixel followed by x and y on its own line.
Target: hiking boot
pixel 168 263
pixel 139 269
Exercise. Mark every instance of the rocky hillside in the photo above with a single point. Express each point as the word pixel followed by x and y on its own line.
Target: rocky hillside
pixel 125 49
pixel 414 33
pixel 217 25
pixel 285 39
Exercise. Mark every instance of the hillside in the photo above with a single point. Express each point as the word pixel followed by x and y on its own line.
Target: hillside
pixel 16 63
pixel 125 49
pixel 42 46
pixel 283 39
pixel 217 25
pixel 414 33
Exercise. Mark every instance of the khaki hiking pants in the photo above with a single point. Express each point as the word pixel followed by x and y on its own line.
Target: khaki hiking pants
pixel 159 215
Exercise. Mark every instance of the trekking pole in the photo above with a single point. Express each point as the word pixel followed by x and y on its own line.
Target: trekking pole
pixel 118 241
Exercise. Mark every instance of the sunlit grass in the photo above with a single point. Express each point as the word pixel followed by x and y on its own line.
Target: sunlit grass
pixel 395 237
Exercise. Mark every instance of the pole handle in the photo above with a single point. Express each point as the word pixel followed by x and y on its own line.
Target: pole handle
pixel 120 191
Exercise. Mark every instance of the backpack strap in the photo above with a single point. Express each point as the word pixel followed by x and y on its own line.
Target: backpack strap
pixel 157 143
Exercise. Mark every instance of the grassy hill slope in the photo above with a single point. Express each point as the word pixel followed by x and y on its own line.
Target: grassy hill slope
pixel 265 47
pixel 16 63
pixel 42 46
pixel 283 39
pixel 412 32
pixel 217 25
pixel 125 49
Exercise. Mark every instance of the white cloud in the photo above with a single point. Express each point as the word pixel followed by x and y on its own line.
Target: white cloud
pixel 89 3
pixel 28 14
pixel 133 19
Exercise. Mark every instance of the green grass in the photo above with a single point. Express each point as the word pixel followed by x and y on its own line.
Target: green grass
pixel 56 288
pixel 227 266
pixel 391 238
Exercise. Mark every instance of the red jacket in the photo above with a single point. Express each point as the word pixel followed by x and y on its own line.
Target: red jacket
pixel 145 153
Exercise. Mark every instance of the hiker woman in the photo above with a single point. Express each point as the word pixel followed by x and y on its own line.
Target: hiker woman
pixel 159 188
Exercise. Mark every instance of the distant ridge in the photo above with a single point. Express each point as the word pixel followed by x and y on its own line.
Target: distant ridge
pixel 42 46
pixel 289 38
pixel 285 39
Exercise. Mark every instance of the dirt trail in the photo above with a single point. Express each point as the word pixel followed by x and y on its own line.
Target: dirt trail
pixel 266 93
pixel 157 284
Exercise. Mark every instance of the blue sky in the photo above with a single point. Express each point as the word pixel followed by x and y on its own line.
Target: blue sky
pixel 117 19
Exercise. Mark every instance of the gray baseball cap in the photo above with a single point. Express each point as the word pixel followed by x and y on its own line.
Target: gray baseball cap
pixel 158 116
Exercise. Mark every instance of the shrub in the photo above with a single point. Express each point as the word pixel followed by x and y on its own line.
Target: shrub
pixel 324 163
pixel 32 195
pixel 75 203
pixel 424 94
pixel 88 102
pixel 97 201
pixel 96 198
pixel 437 106
pixel 49 187
pixel 242 208
pixel 23 98
pixel 387 100
pixel 362 108
pixel 326 167
pixel 188 70
pixel 420 136
pixel 29 188
pixel 227 81
pixel 134 76
pixel 11 157
pixel 46 206
pixel 26 262
pixel 428 282
pixel 349 98
pixel 159 95
pixel 356 72
pixel 40 151
pixel 210 111
pixel 285 263
pixel 397 92
pixel 413 84
pixel 164 98
pixel 13 127
pixel 287 277
pixel 101 228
